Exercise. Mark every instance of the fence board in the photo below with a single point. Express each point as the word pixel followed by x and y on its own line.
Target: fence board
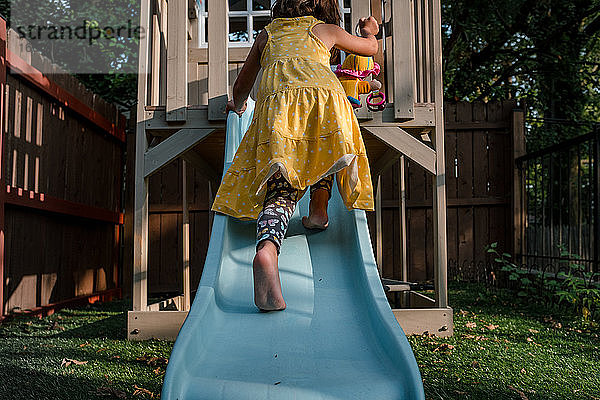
pixel 59 143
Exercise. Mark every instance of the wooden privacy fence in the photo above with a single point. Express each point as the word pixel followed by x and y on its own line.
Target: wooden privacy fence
pixel 61 169
pixel 479 152
pixel 479 179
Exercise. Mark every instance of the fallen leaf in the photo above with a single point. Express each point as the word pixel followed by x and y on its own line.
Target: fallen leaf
pixel 529 339
pixel 523 371
pixel 84 344
pixel 56 326
pixel 139 391
pixel 471 325
pixel 463 312
pixel 68 361
pixel 534 330
pixel 475 364
pixel 444 347
pixel 111 392
pixel 491 327
pixel 521 394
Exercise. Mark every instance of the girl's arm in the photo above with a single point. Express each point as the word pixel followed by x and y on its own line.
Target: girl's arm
pixel 333 35
pixel 245 80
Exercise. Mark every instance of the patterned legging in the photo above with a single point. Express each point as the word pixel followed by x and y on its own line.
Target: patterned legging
pixel 280 202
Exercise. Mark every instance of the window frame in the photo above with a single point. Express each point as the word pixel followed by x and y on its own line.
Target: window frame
pixel 249 14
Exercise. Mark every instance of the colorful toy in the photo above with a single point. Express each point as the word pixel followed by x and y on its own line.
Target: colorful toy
pixel 352 74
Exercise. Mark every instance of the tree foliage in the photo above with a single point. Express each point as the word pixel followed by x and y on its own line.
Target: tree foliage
pixel 544 52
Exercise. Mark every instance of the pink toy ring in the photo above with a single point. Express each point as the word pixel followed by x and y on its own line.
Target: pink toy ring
pixel 377 105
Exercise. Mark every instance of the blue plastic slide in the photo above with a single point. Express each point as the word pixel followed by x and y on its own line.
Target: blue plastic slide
pixel 337 339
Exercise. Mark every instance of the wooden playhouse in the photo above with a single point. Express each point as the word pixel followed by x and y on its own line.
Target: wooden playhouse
pixel 188 61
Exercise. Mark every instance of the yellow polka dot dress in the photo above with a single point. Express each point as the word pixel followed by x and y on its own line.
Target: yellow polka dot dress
pixel 303 126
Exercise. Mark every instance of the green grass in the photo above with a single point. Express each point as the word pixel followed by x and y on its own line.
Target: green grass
pixel 504 348
pixel 501 349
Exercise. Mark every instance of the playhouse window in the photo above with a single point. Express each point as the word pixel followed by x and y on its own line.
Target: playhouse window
pixel 248 17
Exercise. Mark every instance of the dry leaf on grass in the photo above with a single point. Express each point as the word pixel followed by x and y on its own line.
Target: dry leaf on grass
pixel 111 392
pixel 140 391
pixel 521 393
pixel 475 364
pixel 153 361
pixel 444 347
pixel 68 361
pixel 471 325
pixel 491 327
pixel 533 330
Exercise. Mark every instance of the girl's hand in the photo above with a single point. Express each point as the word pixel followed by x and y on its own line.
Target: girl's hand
pixel 231 107
pixel 368 26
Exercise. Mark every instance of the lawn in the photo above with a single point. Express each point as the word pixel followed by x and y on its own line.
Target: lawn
pixel 502 348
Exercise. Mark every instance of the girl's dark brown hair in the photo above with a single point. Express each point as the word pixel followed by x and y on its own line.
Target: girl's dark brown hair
pixel 327 11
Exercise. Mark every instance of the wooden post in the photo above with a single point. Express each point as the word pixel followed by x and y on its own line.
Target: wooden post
pixel 177 49
pixel 185 237
pixel 518 145
pixel 2 171
pixel 440 255
pixel 402 213
pixel 140 218
pixel 378 227
pixel 403 71
pixel 218 59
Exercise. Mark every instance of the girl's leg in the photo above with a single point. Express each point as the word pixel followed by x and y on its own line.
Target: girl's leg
pixel 320 193
pixel 271 226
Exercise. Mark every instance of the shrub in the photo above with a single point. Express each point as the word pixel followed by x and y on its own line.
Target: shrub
pixel 571 286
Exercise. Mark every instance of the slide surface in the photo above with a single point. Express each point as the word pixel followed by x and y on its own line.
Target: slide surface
pixel 337 339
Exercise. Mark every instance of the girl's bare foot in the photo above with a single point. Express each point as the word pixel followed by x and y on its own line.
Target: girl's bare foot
pixel 317 217
pixel 267 286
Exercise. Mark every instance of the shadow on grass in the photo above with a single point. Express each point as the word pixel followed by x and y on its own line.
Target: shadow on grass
pixel 28 384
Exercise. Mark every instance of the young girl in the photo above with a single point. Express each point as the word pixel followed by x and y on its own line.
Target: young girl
pixel 303 132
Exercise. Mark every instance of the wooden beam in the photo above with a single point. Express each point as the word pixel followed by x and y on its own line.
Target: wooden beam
pixel 144 325
pixel 197 117
pixel 407 144
pixel 403 49
pixel 185 239
pixel 433 321
pixel 402 215
pixel 40 201
pixel 171 148
pixel 156 60
pixel 424 116
pixel 177 41
pixel 140 210
pixel 218 73
pixel 156 123
pixel 66 99
pixel 440 255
